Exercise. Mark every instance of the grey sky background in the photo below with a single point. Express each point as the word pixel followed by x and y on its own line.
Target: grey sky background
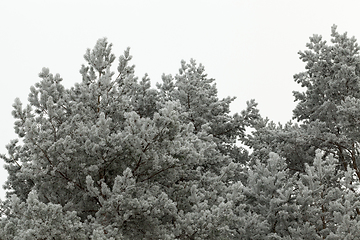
pixel 249 47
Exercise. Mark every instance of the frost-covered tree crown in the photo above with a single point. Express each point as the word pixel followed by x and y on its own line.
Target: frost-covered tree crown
pixel 114 158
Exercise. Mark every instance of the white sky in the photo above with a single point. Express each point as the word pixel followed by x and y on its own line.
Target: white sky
pixel 249 47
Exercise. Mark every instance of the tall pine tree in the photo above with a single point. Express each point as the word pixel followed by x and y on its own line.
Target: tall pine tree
pixel 115 159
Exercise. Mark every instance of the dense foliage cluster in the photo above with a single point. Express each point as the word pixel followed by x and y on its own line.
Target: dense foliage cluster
pixel 113 158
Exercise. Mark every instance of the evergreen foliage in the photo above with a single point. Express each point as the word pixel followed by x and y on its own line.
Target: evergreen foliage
pixel 114 158
pixel 328 106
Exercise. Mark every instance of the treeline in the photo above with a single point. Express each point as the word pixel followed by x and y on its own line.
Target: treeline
pixel 114 158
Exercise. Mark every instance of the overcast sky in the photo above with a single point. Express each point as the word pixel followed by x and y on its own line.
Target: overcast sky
pixel 249 47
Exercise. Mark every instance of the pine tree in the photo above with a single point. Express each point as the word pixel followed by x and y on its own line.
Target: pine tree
pixel 320 151
pixel 327 107
pixel 116 159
